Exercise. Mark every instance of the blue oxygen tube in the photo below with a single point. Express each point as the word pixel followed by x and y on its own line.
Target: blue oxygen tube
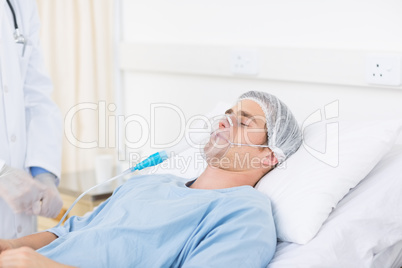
pixel 152 160
pixel 159 157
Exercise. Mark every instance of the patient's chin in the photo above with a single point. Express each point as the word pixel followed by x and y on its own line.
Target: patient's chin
pixel 212 162
pixel 213 155
pixel 215 149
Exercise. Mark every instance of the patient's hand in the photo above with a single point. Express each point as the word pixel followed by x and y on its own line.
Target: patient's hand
pixel 26 257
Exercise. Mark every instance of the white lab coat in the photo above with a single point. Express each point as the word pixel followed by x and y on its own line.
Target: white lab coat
pixel 30 123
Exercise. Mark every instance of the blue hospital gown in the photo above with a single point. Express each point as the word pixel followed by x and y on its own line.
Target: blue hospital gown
pixel 157 221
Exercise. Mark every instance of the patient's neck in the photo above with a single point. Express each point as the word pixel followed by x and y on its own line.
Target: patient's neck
pixel 216 178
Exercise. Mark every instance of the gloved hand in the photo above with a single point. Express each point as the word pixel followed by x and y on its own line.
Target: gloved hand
pixel 51 201
pixel 21 192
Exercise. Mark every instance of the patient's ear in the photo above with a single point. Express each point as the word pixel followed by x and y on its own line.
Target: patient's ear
pixel 269 160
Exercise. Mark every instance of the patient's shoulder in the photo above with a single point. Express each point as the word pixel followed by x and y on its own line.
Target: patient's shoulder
pixel 247 200
pixel 252 196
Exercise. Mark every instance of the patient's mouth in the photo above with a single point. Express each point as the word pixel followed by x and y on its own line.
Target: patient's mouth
pixel 221 137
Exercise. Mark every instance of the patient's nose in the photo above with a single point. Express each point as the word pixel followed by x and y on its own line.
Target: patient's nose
pixel 224 123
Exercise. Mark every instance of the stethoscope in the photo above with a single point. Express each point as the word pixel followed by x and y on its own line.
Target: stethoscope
pixel 18 37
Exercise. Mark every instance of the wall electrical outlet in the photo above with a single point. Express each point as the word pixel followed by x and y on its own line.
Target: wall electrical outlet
pixel 244 62
pixel 384 69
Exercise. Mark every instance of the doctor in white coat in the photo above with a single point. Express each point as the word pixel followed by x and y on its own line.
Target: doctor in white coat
pixel 30 124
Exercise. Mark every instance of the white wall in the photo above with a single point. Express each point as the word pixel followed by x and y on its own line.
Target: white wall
pixel 373 24
pixel 177 52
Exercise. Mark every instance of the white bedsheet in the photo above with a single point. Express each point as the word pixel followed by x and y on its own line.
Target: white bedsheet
pixel 365 230
pixel 391 257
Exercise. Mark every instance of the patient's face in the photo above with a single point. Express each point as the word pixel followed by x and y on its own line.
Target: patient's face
pixel 247 126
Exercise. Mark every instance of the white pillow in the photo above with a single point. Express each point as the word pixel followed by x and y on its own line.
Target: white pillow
pixel 304 191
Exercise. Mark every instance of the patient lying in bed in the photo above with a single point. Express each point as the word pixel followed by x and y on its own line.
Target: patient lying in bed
pixel 157 221
pixel 217 220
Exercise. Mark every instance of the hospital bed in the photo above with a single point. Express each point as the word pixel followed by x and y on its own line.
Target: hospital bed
pixel 364 227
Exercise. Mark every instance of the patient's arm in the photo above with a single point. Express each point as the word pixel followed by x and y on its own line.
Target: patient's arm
pixel 34 241
pixel 25 257
pixel 21 252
